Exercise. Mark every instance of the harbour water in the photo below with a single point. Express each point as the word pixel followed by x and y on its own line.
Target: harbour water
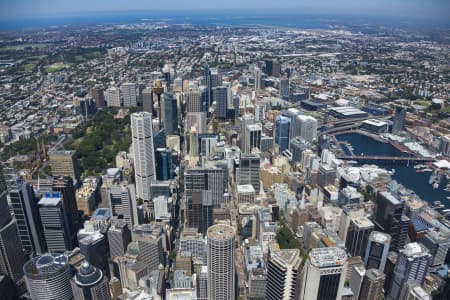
pixel 406 175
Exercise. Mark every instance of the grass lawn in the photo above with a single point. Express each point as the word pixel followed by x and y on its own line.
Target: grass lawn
pixel 55 68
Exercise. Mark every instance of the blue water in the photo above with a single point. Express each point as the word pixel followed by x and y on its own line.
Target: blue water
pixel 406 175
pixel 282 18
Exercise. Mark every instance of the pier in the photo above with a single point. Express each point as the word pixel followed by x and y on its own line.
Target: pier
pixel 387 159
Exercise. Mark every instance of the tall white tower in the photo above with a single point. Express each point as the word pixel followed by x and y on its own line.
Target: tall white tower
pixel 221 268
pixel 144 157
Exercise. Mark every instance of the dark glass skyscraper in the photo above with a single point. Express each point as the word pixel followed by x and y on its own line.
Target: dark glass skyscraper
pixel 282 125
pixel 170 114
pixel 164 169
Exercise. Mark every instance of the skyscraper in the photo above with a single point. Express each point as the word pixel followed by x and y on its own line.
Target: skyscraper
pixel 55 222
pixel 199 179
pixel 64 163
pixel 248 172
pixel 358 235
pixel 89 283
pixel 122 204
pixel 207 82
pixel 149 240
pixel 399 119
pixel 94 247
pixel 163 159
pixel 147 101
pixel 220 96
pixel 283 275
pixel 144 160
pixel 221 262
pixel 98 96
pixel 170 114
pixel 193 99
pixel 412 264
pixel 65 186
pixel 129 96
pixel 196 119
pixel 388 217
pixel 284 88
pixel 26 212
pixel 372 285
pixel 119 236
pixel 112 96
pixel 253 138
pixel 303 126
pixel 12 256
pixel 438 242
pixel 324 274
pixel 377 250
pixel 202 284
pixel 257 78
pixel 282 125
pixel 48 277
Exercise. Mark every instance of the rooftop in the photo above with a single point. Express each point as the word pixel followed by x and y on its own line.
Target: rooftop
pixel 221 232
pixel 327 257
pixel 380 237
pixel 363 222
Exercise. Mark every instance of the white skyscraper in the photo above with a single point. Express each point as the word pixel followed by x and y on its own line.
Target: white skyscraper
pixel 257 78
pixel 324 274
pixel 112 96
pixel 304 126
pixel 221 268
pixel 129 95
pixel 144 160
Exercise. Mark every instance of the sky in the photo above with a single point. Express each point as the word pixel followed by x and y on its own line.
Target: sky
pixel 424 9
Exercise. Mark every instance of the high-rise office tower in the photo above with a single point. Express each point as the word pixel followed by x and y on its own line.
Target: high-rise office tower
pixel 12 256
pixel 57 230
pixel 253 138
pixel 196 119
pixel 377 250
pixel 349 212
pixel 438 242
pixel 220 96
pixel 358 235
pixel 372 285
pixel 207 82
pixel 207 142
pixel 122 204
pixel 399 119
pixel 388 217
pixel 215 78
pixel 163 159
pixel 147 101
pixel 221 262
pixel 112 96
pixel 64 163
pixel 129 96
pixel 296 146
pixel 282 125
pixel 48 277
pixel 144 160
pixel 284 88
pixel 170 114
pixel 65 186
pixel 324 274
pixel 26 212
pixel 283 275
pixel 199 179
pixel 303 126
pixel 236 103
pixel 201 214
pixel 412 264
pixel 412 290
pixel 248 172
pixel 202 284
pixel 119 236
pixel 273 67
pixel 193 99
pixel 98 96
pixel 257 78
pixel 94 247
pixel 149 240
pixel 89 283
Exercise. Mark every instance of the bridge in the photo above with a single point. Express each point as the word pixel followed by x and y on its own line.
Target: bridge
pixel 387 159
